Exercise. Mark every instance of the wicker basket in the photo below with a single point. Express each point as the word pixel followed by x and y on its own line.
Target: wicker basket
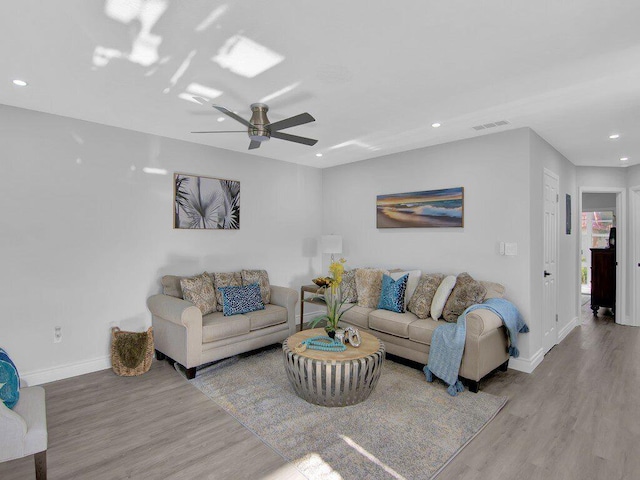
pixel 131 352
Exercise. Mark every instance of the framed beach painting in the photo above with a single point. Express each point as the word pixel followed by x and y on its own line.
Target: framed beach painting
pixel 205 203
pixel 427 209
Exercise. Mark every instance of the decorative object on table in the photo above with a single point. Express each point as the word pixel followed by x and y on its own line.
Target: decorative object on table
pixel 206 203
pixel 325 344
pixel 340 336
pixel 333 299
pixel 331 244
pixel 430 208
pixel 9 381
pixel 322 281
pixel 352 335
pixel 131 352
pixel 568 214
pixel 413 428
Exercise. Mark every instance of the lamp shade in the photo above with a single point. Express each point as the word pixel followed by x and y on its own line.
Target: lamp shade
pixel 331 243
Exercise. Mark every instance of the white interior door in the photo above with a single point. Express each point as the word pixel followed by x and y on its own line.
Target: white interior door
pixel 635 241
pixel 550 284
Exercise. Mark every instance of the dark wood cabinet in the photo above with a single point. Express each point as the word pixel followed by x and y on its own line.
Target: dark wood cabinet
pixel 603 278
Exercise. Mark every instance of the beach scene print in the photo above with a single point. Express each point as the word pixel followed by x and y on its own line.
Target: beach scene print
pixel 431 208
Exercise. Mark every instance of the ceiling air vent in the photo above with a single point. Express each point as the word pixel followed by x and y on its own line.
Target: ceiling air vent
pixel 499 123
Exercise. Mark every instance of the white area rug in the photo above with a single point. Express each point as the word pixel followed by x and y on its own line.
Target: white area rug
pixel 407 429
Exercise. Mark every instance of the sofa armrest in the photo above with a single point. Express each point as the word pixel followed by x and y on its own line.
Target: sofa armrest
pixel 175 310
pixel 287 298
pixel 482 321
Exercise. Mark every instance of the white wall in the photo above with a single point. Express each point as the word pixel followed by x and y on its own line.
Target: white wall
pixel 85 239
pixel 544 156
pixel 598 202
pixel 494 171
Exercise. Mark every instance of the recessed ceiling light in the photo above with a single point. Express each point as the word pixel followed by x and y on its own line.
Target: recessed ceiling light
pixel 318 154
pixel 614 136
pixel 624 159
pixel 221 119
pixel 20 83
pixel 154 171
pixel 435 125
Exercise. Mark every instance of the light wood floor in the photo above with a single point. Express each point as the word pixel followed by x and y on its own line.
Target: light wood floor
pixel 576 417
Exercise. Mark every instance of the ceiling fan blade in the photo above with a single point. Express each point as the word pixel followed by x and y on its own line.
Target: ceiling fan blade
pixel 226 111
pixel 291 122
pixel 254 144
pixel 294 138
pixel 223 131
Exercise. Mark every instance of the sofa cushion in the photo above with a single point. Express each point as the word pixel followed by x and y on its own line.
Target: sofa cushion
pixel 391 322
pixel 466 292
pixel 271 315
pixel 199 291
pixel 171 286
pixel 392 294
pixel 243 299
pixel 494 290
pixel 261 277
pixel 356 315
pixel 412 282
pixel 368 286
pixel 216 326
pixel 420 303
pixel 348 287
pixel 231 279
pixel 422 329
pixel 441 296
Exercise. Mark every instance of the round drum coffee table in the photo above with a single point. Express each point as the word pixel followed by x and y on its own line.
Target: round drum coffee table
pixel 333 379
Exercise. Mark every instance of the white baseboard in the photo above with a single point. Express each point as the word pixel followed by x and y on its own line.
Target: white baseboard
pixel 527 365
pixel 47 375
pixel 562 334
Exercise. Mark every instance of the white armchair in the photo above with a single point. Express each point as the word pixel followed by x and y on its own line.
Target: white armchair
pixel 23 430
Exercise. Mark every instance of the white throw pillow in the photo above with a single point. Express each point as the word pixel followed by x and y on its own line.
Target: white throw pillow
pixel 441 296
pixel 412 283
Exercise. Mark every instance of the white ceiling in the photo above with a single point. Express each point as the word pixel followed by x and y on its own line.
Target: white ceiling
pixel 374 74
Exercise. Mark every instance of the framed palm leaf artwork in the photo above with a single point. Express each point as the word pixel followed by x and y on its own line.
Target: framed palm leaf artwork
pixel 205 203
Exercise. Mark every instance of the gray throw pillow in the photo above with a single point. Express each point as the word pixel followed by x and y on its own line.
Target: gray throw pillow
pixel 420 303
pixel 348 287
pixel 199 290
pixel 231 279
pixel 261 277
pixel 369 286
pixel 467 292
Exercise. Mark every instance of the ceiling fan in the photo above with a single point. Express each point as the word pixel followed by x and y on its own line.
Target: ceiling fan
pixel 259 128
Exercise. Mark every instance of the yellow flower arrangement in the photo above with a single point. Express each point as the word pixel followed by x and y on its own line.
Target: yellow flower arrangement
pixel 332 297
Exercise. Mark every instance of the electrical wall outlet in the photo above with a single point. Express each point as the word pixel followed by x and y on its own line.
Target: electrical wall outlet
pixel 57 334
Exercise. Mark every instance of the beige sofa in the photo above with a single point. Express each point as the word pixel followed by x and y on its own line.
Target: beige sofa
pixel 407 336
pixel 184 335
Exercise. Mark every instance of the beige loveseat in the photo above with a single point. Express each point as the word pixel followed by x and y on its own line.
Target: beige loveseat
pixel 184 335
pixel 407 336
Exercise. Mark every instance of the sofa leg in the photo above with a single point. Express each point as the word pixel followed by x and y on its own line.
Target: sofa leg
pixel 474 386
pixel 504 367
pixel 41 465
pixel 160 356
pixel 191 373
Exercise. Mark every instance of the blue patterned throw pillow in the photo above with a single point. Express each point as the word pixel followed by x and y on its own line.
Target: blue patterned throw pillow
pixel 392 295
pixel 9 381
pixel 243 299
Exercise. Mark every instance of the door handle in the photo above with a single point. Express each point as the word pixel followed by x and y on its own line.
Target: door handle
pixel 546 274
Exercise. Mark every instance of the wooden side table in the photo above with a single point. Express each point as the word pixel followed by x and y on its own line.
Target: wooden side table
pixel 315 300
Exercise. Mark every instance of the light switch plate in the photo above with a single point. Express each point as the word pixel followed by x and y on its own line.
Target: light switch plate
pixel 511 249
